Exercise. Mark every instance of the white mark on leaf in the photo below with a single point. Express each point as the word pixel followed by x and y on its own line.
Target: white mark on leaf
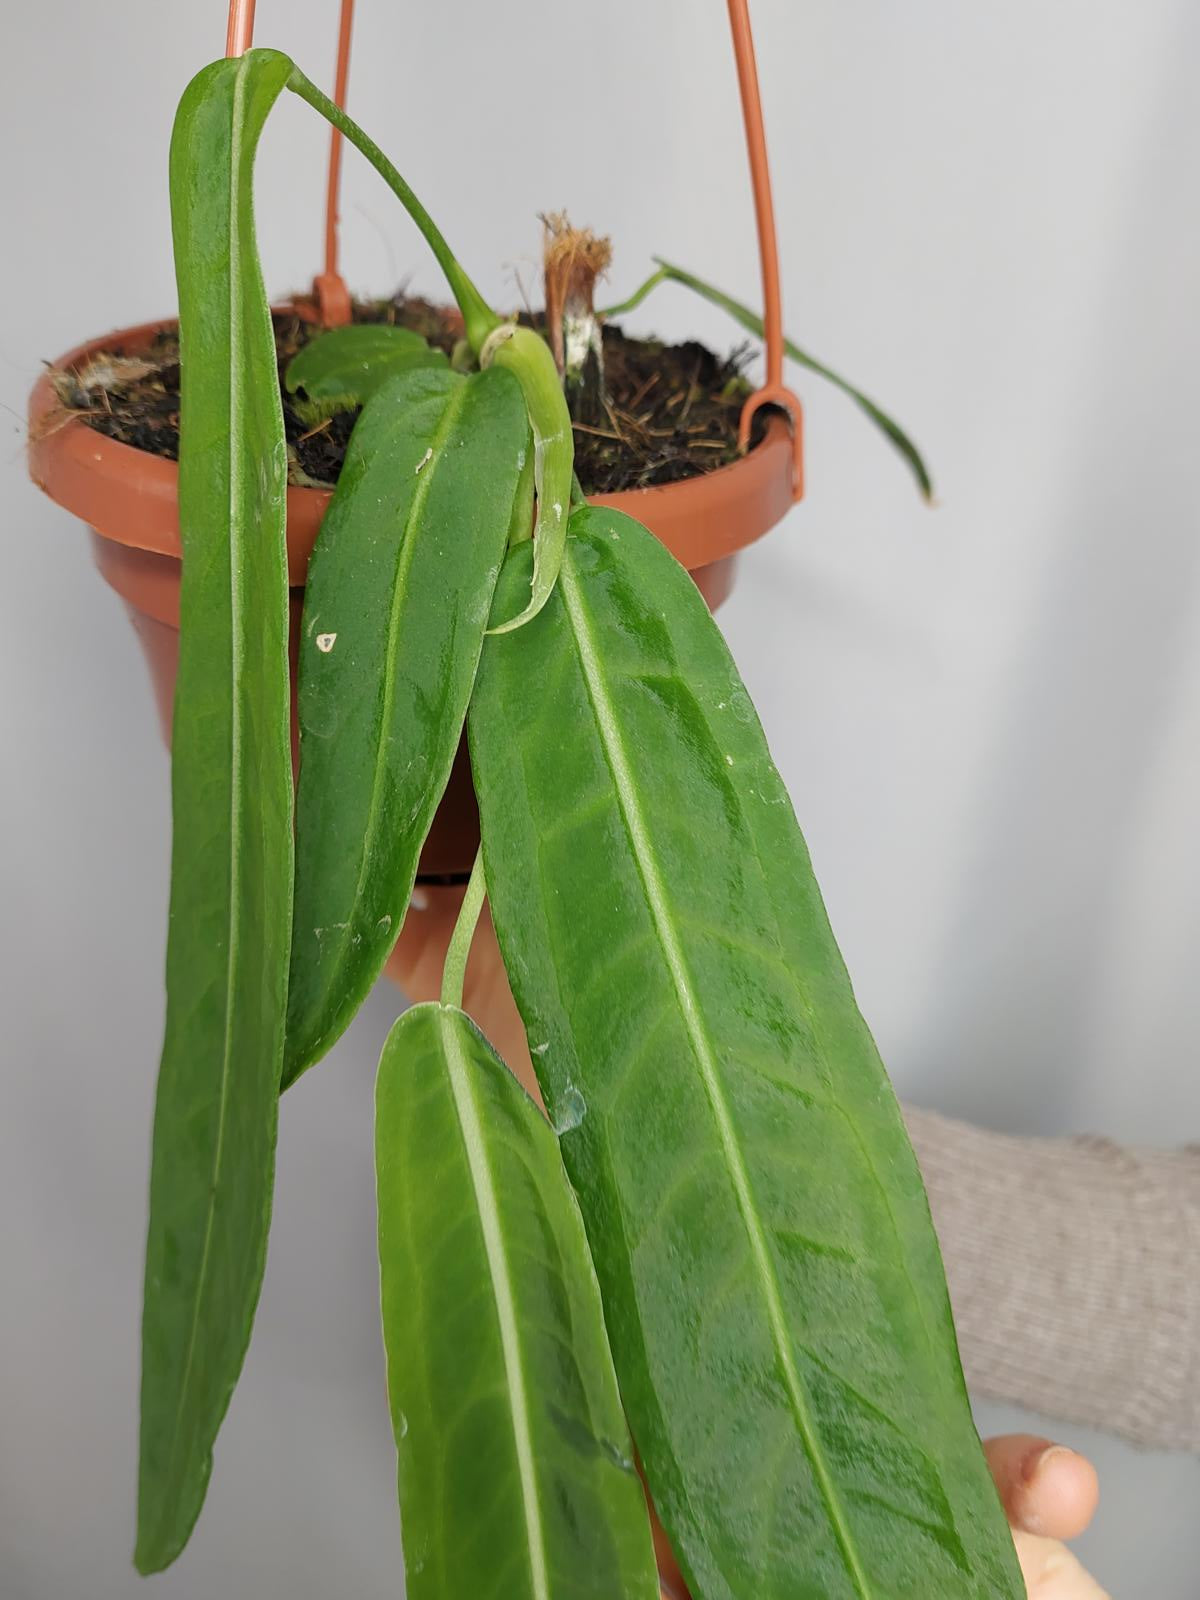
pixel 742 706
pixel 326 642
pixel 425 460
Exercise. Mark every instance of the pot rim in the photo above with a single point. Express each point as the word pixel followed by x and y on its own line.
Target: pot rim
pixel 129 495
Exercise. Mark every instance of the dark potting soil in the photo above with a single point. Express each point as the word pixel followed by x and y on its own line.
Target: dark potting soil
pixel 672 410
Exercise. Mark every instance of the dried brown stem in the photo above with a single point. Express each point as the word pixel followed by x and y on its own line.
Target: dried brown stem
pixel 573 260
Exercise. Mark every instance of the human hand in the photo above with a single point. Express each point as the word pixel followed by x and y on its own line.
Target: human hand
pixel 1049 1494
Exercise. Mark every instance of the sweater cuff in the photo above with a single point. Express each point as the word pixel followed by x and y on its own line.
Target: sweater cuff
pixel 1072 1268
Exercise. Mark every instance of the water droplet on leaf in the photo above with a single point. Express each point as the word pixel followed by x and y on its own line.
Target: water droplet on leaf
pixel 570 1111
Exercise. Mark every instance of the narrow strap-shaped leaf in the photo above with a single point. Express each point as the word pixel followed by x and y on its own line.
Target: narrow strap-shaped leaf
pixel 753 323
pixel 516 1475
pixel 344 367
pixel 231 781
pixel 772 1284
pixel 394 614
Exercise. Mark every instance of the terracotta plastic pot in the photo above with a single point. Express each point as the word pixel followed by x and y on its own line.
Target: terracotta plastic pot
pixel 128 498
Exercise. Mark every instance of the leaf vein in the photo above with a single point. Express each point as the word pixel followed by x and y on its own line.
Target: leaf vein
pixel 474 1142
pixel 609 729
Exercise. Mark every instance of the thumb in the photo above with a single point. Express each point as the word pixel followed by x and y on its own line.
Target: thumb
pixel 1052 1572
pixel 1045 1488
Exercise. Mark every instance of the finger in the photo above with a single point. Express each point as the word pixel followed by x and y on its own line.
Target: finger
pixel 1045 1488
pixel 1051 1572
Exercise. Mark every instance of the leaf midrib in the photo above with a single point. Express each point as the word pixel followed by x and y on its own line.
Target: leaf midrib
pixel 621 770
pixel 470 1123
pixel 235 743
pixel 408 544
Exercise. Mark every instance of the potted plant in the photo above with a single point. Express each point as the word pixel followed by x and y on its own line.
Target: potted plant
pixel 713 1256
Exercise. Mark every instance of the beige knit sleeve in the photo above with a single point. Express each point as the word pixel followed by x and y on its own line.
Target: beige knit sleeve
pixel 1074 1273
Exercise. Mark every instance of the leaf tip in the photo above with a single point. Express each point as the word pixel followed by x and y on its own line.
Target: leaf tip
pixel 151 1555
pixel 541 593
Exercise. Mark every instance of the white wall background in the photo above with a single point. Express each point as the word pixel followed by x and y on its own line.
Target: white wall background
pixel 988 715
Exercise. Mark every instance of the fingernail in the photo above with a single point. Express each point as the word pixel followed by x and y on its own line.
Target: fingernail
pixel 420 900
pixel 1037 1462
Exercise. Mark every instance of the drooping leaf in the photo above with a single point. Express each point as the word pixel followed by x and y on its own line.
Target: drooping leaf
pixel 515 1468
pixel 231 782
pixel 394 614
pixel 342 369
pixel 753 323
pixel 772 1284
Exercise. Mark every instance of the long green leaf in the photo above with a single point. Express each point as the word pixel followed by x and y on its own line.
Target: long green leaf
pixel 771 1280
pixel 753 323
pixel 515 1468
pixel 394 613
pixel 343 368
pixel 231 867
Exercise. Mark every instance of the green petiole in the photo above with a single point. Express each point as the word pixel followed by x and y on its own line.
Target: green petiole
pixel 478 317
pixel 454 970
pixel 524 352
